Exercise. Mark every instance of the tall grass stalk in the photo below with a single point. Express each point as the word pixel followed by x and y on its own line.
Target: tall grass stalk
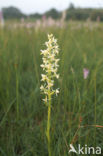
pixel 17 94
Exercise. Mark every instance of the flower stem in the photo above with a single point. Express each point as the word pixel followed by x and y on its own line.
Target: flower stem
pixel 48 125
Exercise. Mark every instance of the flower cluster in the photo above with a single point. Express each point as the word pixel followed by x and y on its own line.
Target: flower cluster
pixel 85 73
pixel 50 67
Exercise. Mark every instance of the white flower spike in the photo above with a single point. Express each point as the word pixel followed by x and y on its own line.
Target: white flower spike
pixel 50 67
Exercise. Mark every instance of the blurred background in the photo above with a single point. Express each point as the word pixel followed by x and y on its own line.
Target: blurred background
pixel 47 12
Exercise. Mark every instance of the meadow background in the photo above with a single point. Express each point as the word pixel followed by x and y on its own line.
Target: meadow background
pixel 23 115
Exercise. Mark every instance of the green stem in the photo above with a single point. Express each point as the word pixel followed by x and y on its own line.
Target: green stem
pixel 17 96
pixel 48 125
pixel 95 118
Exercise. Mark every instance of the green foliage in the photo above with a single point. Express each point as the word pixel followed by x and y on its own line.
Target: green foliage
pixel 53 13
pixel 12 12
pixel 36 16
pixel 71 6
pixel 20 72
pixel 78 14
pixel 97 14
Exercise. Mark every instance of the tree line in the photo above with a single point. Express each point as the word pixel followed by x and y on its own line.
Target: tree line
pixel 72 13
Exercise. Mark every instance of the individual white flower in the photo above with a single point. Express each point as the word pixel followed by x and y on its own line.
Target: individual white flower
pixel 44 77
pixel 57 92
pixel 52 56
pixel 42 65
pixel 50 84
pixel 57 60
pixel 54 40
pixel 46 99
pixel 57 76
pixel 44 52
pixel 54 70
pixel 42 88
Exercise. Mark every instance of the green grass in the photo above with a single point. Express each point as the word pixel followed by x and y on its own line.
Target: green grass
pixel 23 115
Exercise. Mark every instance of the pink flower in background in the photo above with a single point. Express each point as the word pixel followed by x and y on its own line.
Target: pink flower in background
pixel 85 73
pixel 1 15
pixel 1 18
pixel 43 17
